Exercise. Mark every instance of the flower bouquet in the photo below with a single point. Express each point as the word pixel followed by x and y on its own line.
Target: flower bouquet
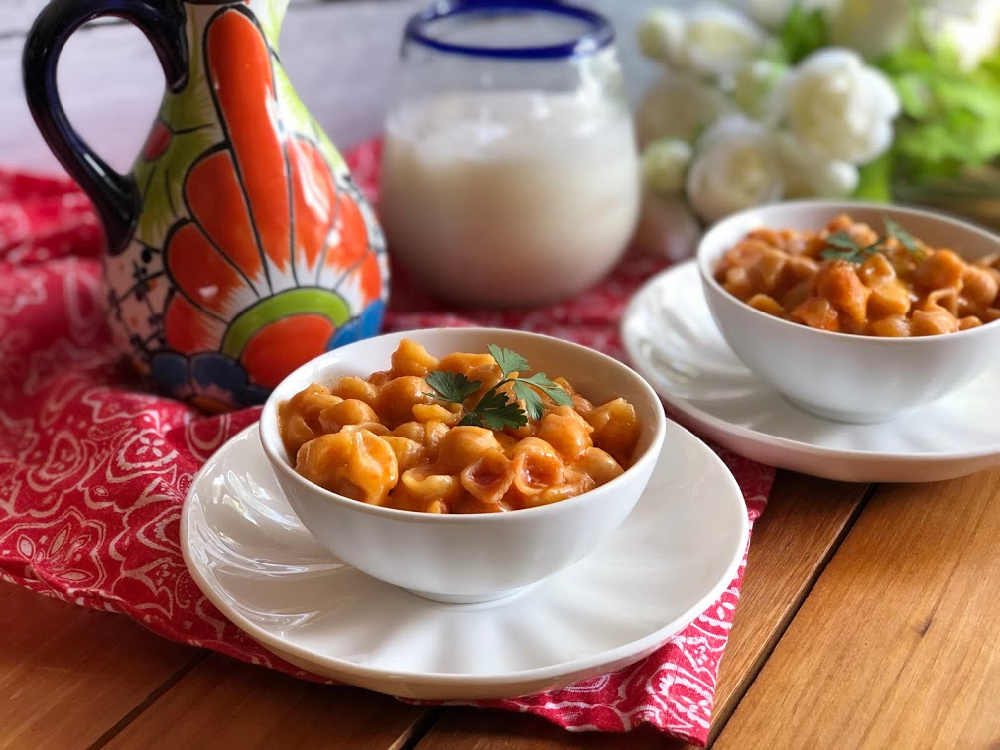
pixel 818 98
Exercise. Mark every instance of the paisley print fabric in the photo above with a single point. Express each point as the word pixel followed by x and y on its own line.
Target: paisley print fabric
pixel 94 467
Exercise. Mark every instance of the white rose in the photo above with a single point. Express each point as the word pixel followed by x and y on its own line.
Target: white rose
pixel 873 29
pixel 664 165
pixel 971 29
pixel 735 167
pixel 808 175
pixel 678 106
pixel 718 39
pixel 661 34
pixel 837 106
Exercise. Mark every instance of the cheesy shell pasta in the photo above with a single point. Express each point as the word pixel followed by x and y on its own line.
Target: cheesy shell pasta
pixel 388 440
pixel 890 286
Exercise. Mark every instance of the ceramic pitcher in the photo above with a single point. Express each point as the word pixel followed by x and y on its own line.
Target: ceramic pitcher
pixel 238 246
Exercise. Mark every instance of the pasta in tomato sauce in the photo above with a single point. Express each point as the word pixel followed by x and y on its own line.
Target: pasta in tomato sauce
pixel 388 440
pixel 847 278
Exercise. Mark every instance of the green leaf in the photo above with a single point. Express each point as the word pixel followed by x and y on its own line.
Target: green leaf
pixel 843 240
pixel 851 256
pixel 508 360
pixel 532 401
pixel 495 412
pixel 495 409
pixel 952 117
pixel 802 33
pixel 914 94
pixel 452 386
pixel 895 231
pixel 551 389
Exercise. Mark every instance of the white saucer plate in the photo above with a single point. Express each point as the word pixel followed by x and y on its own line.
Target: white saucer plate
pixel 673 341
pixel 673 557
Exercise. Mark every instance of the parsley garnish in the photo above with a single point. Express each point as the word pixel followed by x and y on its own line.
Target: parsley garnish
pixel 495 410
pixel 905 238
pixel 843 246
pixel 452 387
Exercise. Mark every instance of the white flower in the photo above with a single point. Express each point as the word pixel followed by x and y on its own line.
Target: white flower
pixel 661 34
pixel 707 38
pixel 871 28
pixel 735 167
pixel 664 165
pixel 970 28
pixel 718 39
pixel 837 106
pixel 678 106
pixel 808 175
pixel 754 82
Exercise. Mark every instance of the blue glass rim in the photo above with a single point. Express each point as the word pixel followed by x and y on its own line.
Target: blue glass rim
pixel 598 34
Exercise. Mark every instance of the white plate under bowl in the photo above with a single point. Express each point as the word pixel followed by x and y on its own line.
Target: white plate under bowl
pixel 673 557
pixel 673 341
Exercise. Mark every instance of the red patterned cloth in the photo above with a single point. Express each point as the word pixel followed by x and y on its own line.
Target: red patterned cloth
pixel 94 469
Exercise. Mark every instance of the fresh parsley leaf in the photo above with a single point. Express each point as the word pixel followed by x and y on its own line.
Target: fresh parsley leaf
pixel 551 389
pixel 849 255
pixel 895 231
pixel 508 360
pixel 858 255
pixel 495 412
pixel 847 249
pixel 532 401
pixel 842 240
pixel 451 386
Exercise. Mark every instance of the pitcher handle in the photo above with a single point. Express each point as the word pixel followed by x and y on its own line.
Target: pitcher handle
pixel 115 196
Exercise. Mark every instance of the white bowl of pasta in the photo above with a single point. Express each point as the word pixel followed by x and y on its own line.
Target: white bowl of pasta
pixel 460 477
pixel 855 312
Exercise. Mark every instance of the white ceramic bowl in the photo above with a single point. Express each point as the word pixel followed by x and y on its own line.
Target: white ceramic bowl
pixel 469 558
pixel 839 376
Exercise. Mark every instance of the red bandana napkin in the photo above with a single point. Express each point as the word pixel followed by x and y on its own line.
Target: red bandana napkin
pixel 94 470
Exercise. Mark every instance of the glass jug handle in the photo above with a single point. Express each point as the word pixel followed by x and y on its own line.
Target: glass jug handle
pixel 115 195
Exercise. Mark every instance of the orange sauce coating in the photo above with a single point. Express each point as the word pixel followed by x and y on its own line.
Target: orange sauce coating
pixel 894 291
pixel 386 441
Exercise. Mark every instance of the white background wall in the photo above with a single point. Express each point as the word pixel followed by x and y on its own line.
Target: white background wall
pixel 340 56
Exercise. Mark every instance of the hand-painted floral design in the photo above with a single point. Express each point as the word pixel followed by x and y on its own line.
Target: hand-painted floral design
pixel 263 251
pixel 209 380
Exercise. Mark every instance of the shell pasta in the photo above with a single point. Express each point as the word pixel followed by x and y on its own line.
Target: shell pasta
pixel 390 440
pixel 847 278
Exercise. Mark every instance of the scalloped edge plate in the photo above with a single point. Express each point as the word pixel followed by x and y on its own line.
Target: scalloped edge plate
pixel 673 557
pixel 672 340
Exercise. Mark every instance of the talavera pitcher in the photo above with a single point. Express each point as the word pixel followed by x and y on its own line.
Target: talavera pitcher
pixel 238 247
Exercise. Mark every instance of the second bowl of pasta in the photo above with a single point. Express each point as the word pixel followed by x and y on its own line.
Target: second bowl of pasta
pixel 462 464
pixel 855 312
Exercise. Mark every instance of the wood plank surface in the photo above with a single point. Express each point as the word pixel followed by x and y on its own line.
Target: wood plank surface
pixel 897 646
pixel 69 674
pixel 804 522
pixel 223 703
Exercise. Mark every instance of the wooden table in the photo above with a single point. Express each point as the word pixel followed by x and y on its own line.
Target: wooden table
pixel 870 617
